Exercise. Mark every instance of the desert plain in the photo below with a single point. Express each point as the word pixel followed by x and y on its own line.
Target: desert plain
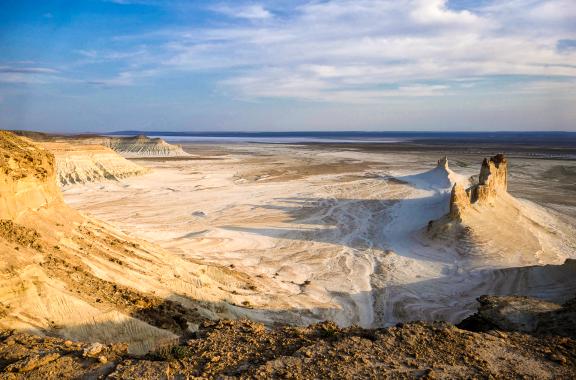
pixel 342 232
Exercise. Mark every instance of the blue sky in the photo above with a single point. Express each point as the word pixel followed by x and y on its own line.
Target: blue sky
pixel 287 65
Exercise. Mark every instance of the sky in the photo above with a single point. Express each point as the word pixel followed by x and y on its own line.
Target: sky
pixel 288 65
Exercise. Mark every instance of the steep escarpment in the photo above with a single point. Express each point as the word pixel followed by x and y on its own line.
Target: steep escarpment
pixel 64 274
pixel 143 146
pixel 131 146
pixel 77 164
pixel 27 177
pixel 79 298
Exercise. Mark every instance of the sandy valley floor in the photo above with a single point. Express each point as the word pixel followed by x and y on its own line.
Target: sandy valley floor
pixel 341 232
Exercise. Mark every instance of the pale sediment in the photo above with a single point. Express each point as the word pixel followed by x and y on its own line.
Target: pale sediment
pixel 276 234
pixel 65 274
pixel 342 234
pixel 80 164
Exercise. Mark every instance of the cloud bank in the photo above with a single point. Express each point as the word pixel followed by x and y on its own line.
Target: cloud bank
pixel 473 62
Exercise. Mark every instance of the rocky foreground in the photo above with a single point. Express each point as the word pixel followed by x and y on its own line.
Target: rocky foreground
pixel 245 349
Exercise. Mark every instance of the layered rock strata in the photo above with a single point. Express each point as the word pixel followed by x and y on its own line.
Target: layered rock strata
pixel 64 274
pixel 27 177
pixel 143 146
pixel 493 180
pixel 132 146
pixel 79 164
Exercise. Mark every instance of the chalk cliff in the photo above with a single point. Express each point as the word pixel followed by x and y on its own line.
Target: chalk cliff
pixel 65 274
pixel 143 146
pixel 77 164
pixel 27 177
pixel 131 146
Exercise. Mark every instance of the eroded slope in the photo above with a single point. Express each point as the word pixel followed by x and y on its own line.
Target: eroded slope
pixel 80 164
pixel 62 273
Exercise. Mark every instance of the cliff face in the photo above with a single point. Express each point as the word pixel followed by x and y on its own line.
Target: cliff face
pixel 493 180
pixel 132 147
pixel 27 177
pixel 142 146
pixel 90 163
pixel 65 274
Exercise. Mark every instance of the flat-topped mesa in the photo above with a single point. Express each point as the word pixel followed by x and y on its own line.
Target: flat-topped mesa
pixel 129 146
pixel 27 176
pixel 143 146
pixel 84 163
pixel 493 180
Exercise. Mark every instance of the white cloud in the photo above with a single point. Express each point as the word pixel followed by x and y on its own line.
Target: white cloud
pixel 251 11
pixel 434 12
pixel 25 74
pixel 122 79
pixel 367 50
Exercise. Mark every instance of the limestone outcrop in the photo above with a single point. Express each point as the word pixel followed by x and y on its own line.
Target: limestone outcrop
pixel 143 146
pixel 65 274
pixel 130 147
pixel 79 164
pixel 519 313
pixel 27 177
pixel 485 223
pixel 443 163
pixel 492 181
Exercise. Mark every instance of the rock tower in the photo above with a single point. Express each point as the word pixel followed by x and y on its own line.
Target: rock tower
pixel 493 180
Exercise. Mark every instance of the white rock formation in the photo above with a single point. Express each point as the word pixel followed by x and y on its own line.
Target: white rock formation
pixel 131 147
pixel 143 146
pixel 78 164
pixel 66 274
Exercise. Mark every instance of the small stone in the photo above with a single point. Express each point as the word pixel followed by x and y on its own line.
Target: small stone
pixel 68 343
pixel 558 359
pixel 103 359
pixel 93 349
